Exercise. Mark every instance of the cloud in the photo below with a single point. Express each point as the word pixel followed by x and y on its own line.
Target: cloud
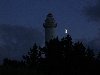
pixel 93 11
pixel 16 40
pixel 95 43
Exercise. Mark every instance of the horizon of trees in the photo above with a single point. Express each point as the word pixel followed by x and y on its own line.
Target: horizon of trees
pixel 57 57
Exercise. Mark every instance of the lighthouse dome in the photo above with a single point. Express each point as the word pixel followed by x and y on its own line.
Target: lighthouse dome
pixel 50 21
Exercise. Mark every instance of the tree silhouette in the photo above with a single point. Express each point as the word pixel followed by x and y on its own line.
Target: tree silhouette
pixel 62 56
pixel 54 54
pixel 31 59
pixel 59 57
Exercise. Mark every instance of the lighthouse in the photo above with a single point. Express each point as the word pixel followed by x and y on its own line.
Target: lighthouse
pixel 50 26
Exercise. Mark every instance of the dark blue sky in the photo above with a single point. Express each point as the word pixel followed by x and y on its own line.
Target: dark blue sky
pixel 75 15
pixel 68 14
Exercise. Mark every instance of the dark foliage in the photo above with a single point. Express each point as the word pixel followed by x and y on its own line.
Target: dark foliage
pixel 58 57
pixel 31 59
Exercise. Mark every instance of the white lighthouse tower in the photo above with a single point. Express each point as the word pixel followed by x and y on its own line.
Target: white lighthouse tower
pixel 49 26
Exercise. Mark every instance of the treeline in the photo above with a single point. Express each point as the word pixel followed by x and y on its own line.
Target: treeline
pixel 57 57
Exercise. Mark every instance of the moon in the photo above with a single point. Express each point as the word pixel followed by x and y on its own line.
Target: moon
pixel 66 31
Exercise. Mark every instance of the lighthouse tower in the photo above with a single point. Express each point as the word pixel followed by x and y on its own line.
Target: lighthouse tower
pixel 49 26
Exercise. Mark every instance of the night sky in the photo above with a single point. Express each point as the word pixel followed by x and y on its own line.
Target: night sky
pixel 21 23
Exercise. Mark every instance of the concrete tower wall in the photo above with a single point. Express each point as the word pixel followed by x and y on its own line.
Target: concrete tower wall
pixel 50 27
pixel 49 34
